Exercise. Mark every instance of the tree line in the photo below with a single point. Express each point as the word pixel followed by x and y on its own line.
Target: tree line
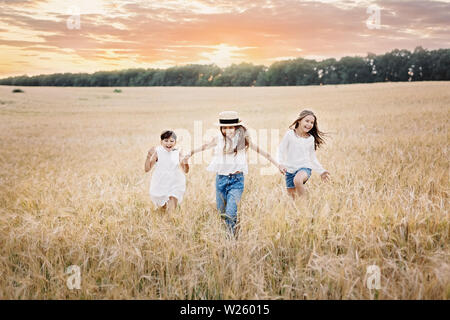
pixel 397 65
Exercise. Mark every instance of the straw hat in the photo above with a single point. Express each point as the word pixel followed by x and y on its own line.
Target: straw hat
pixel 229 118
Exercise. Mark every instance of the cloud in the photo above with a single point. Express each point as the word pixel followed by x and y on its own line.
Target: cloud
pixel 124 33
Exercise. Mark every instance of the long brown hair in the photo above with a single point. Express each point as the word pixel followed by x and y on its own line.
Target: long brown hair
pixel 315 132
pixel 243 142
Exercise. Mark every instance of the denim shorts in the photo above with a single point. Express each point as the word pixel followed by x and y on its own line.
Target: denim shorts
pixel 290 177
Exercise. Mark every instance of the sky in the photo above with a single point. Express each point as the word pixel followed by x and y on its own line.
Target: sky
pixel 53 36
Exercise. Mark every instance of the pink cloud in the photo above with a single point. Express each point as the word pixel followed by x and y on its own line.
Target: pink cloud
pixel 150 32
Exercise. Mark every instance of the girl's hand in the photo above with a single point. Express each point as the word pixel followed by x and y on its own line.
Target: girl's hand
pixel 152 157
pixel 185 160
pixel 325 176
pixel 282 169
pixel 151 152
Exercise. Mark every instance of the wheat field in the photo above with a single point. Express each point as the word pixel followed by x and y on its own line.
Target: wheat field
pixel 73 192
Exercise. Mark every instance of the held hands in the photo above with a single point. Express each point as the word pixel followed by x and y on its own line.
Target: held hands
pixel 187 156
pixel 282 169
pixel 185 159
pixel 325 176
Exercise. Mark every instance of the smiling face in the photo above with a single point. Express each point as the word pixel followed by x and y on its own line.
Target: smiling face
pixel 168 143
pixel 306 124
pixel 228 131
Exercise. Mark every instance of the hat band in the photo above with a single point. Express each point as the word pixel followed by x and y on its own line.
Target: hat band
pixel 228 121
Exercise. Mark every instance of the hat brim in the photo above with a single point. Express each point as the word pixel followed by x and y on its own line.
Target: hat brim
pixel 240 123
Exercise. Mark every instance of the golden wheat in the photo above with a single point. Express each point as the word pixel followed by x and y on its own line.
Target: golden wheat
pixel 73 192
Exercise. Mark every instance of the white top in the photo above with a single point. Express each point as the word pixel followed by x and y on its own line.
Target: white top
pixel 296 152
pixel 228 163
pixel 167 178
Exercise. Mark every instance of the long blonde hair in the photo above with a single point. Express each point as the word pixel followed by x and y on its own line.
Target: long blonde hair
pixel 242 143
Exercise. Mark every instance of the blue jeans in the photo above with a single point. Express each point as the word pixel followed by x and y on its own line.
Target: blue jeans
pixel 228 194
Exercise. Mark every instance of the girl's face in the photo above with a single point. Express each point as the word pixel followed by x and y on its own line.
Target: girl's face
pixel 306 124
pixel 169 143
pixel 229 131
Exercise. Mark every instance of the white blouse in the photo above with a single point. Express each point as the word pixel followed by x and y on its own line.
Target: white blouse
pixel 228 163
pixel 296 152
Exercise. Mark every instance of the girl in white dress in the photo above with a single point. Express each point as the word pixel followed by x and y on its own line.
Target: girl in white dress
pixel 168 182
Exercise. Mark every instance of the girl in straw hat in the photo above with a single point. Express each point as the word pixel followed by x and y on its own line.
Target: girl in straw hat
pixel 230 163
pixel 297 153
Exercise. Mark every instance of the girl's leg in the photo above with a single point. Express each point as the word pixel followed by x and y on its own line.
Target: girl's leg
pixel 233 198
pixel 172 204
pixel 221 194
pixel 291 192
pixel 290 186
pixel 299 179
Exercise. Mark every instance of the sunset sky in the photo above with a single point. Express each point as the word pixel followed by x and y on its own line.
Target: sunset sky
pixel 41 36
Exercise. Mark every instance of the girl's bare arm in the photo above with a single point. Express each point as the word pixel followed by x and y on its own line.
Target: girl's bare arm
pixel 204 147
pixel 267 156
pixel 152 157
pixel 184 164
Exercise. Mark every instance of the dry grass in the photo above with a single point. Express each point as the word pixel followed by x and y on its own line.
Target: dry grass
pixel 73 191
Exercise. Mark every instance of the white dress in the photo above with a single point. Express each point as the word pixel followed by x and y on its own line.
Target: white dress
pixel 167 180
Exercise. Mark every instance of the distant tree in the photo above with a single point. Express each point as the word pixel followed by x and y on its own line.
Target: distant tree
pixel 420 65
pixel 326 72
pixel 353 70
pixel 397 65
pixel 243 74
pixel 440 63
pixel 276 74
pixel 261 79
pixel 158 78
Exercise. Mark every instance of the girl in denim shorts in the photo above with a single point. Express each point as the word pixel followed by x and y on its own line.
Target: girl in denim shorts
pixel 297 155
